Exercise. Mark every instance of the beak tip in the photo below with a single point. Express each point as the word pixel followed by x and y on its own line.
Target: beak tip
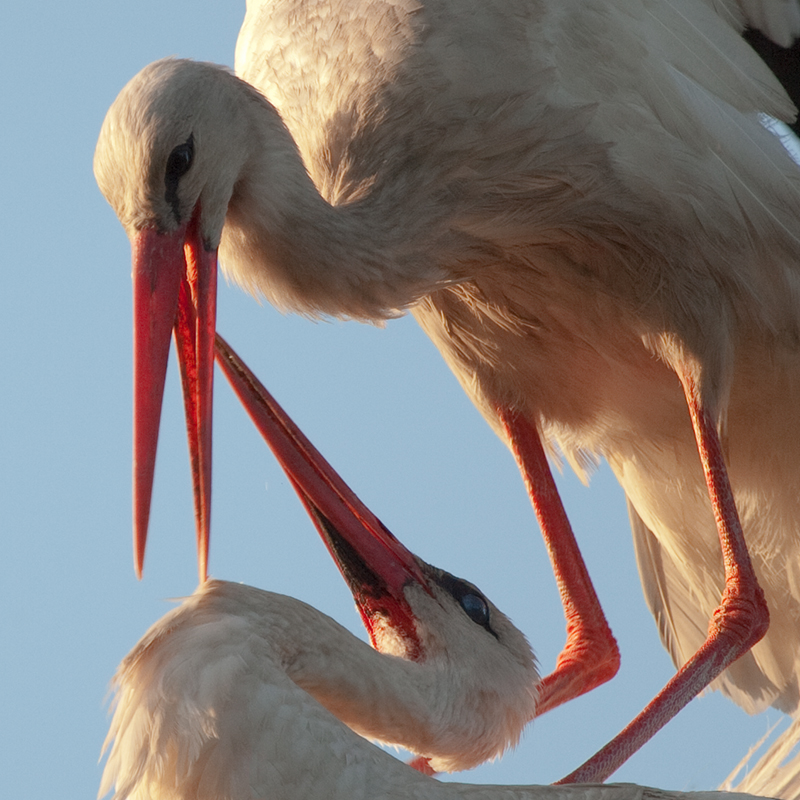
pixel 203 541
pixel 203 570
pixel 139 544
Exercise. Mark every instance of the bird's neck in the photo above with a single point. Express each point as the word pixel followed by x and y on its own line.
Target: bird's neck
pixel 380 696
pixel 456 707
pixel 371 251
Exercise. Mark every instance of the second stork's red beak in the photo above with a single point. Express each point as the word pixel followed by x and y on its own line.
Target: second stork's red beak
pixel 174 289
pixel 375 564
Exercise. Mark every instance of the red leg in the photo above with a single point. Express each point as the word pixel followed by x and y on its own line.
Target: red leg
pixel 591 656
pixel 741 619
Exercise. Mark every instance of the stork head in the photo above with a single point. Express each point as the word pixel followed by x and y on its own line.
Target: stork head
pixel 170 152
pixel 172 146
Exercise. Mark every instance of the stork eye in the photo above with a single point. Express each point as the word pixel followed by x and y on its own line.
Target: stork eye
pixel 179 161
pixel 472 602
pixel 476 608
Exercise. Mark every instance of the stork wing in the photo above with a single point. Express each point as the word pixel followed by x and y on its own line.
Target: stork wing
pixel 682 622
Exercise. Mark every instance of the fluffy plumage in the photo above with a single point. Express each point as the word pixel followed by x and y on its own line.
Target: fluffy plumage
pixel 230 696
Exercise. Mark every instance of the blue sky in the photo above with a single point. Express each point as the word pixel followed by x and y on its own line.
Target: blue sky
pixel 379 403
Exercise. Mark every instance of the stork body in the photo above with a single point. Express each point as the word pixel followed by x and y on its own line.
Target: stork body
pixel 243 694
pixel 578 203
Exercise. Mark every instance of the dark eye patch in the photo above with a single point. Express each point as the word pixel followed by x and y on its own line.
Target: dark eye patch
pixel 178 164
pixel 474 604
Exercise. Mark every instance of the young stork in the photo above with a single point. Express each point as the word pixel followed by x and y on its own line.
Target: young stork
pixel 579 204
pixel 240 693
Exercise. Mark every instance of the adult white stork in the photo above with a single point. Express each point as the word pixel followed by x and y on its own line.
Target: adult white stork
pixel 242 693
pixel 580 206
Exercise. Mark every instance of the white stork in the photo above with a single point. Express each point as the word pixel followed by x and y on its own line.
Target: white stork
pixel 578 202
pixel 240 693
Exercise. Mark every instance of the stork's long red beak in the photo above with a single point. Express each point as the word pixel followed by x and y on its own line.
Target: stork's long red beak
pixel 373 562
pixel 174 289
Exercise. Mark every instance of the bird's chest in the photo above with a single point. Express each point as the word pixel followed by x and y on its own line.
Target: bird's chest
pixel 563 353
